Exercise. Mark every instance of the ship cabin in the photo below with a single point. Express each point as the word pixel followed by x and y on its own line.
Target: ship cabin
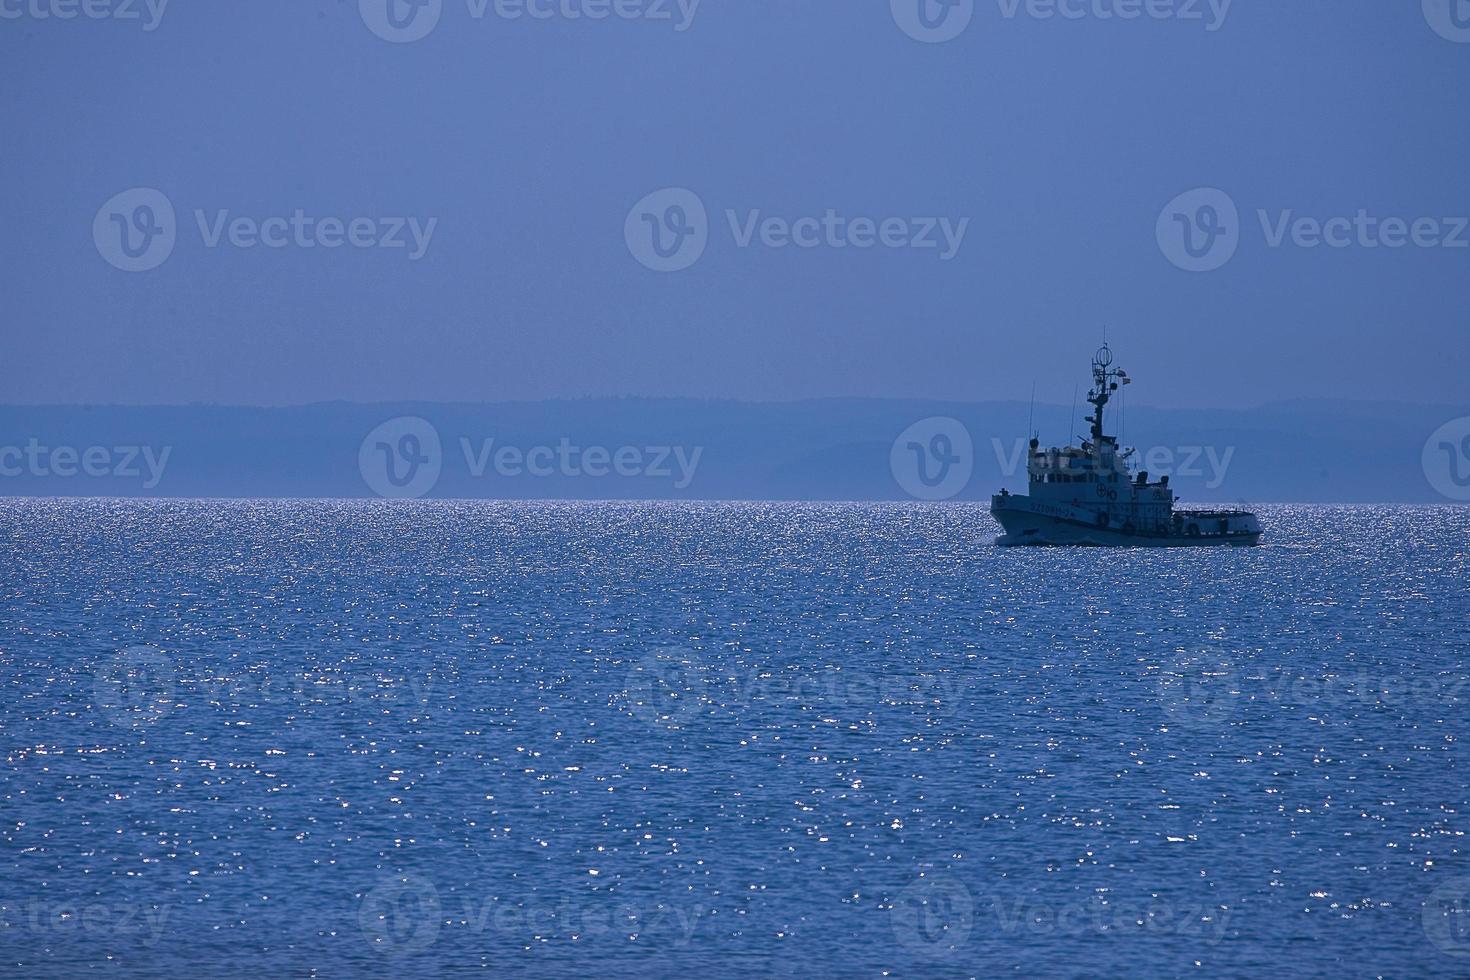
pixel 1096 477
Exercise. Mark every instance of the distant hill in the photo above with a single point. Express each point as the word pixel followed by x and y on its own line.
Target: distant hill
pixel 829 449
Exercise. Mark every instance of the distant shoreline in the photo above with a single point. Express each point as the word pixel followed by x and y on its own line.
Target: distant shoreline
pixel 1304 451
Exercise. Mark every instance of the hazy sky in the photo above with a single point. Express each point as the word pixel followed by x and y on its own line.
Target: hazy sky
pixel 1038 154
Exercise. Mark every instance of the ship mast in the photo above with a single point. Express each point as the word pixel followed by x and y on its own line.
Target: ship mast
pixel 1104 381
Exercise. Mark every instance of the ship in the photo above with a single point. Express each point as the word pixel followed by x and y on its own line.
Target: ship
pixel 1093 494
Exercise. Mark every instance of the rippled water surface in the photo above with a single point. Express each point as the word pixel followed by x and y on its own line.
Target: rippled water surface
pixel 635 739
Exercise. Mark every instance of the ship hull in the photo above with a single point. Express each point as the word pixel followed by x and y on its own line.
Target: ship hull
pixel 1025 527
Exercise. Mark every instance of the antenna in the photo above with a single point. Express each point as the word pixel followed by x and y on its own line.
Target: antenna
pixel 1031 419
pixel 1123 418
pixel 1073 437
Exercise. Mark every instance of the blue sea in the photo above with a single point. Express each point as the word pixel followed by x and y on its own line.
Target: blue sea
pixel 634 740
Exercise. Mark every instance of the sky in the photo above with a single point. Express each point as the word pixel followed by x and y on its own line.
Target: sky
pixel 1258 201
